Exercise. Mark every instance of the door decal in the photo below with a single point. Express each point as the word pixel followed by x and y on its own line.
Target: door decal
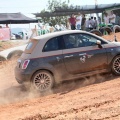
pixel 83 57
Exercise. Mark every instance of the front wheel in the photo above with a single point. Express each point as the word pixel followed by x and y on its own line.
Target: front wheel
pixel 116 65
pixel 43 81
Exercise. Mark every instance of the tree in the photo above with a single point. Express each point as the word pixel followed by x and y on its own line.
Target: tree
pixel 51 8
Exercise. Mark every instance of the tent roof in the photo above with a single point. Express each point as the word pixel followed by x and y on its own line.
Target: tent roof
pixel 86 9
pixel 15 18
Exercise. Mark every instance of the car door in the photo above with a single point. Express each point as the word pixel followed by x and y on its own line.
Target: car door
pixel 82 54
pixel 52 53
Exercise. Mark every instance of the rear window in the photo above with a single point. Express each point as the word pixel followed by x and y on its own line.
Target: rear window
pixel 30 47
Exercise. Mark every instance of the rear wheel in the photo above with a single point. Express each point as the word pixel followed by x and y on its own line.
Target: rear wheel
pixel 43 80
pixel 116 65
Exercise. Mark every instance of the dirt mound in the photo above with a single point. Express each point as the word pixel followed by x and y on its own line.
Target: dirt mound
pixel 9 44
pixel 111 37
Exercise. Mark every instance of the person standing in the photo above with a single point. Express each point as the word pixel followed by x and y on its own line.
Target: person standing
pixel 78 21
pixel 72 22
pixel 106 18
pixel 99 20
pixel 87 25
pixel 83 22
pixel 112 18
pixel 117 19
pixel 95 23
pixel 92 24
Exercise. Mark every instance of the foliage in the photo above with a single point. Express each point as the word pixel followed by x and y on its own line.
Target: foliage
pixel 51 8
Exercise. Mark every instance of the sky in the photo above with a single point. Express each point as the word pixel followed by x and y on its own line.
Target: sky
pixel 35 6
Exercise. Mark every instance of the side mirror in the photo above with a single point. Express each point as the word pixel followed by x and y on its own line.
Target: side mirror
pixel 98 42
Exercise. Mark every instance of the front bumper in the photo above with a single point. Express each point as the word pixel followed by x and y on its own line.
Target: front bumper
pixel 21 76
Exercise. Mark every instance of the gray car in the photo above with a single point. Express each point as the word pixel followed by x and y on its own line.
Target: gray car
pixel 65 55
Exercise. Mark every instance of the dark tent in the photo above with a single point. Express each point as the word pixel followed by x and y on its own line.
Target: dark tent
pixel 15 18
pixel 85 9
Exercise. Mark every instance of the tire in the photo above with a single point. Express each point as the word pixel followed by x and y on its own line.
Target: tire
pixel 96 32
pixel 116 28
pixel 14 54
pixel 2 59
pixel 116 65
pixel 42 81
pixel 108 30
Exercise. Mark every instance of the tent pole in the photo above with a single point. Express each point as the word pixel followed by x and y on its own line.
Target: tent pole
pixel 10 31
pixel 29 26
pixel 10 25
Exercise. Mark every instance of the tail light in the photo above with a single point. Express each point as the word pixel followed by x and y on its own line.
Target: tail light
pixel 25 64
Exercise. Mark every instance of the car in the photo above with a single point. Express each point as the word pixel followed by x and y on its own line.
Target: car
pixel 13 37
pixel 18 36
pixel 66 55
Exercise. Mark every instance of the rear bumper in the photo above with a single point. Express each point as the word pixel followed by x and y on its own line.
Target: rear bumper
pixel 21 76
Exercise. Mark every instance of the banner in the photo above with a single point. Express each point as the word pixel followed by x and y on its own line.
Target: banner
pixel 4 34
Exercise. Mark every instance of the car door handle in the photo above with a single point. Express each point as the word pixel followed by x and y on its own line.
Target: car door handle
pixel 68 56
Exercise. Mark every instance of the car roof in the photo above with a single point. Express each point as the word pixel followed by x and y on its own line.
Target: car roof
pixel 55 34
pixel 59 33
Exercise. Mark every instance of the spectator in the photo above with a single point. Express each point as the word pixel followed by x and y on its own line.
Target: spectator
pixel 87 24
pixel 78 21
pixel 83 22
pixel 112 18
pixel 92 24
pixel 117 19
pixel 72 22
pixel 96 23
pixel 7 26
pixel 106 18
pixel 99 20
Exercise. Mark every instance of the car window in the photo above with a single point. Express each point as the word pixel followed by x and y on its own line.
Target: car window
pixel 79 40
pixel 29 46
pixel 88 40
pixel 52 45
pixel 71 41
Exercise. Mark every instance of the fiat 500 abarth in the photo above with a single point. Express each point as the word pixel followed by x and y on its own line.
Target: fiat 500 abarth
pixel 65 55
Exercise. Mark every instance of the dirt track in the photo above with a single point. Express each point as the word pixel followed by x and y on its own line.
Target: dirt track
pixel 97 97
pixel 94 98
